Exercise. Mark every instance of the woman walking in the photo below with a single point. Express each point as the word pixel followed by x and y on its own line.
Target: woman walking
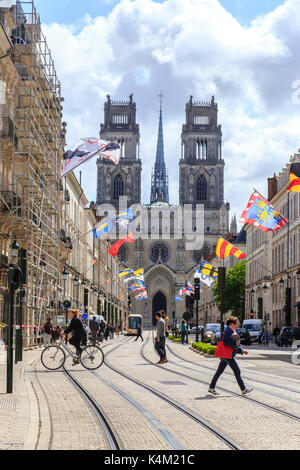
pixel 227 348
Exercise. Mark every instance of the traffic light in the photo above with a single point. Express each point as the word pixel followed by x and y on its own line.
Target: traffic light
pixel 260 307
pixel 251 315
pixel 189 303
pixel 197 288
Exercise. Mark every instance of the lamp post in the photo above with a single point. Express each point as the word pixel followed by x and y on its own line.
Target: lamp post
pixel 298 307
pixel 66 303
pixel 197 297
pixel 14 282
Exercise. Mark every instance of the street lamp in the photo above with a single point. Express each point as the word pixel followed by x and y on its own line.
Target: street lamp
pixel 65 274
pixel 76 281
pixel 14 249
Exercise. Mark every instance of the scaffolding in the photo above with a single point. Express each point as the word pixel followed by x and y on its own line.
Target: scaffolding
pixel 31 203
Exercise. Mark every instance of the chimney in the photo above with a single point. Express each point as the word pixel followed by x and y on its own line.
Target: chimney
pixel 272 187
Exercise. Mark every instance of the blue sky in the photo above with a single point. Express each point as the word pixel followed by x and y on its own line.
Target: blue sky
pixel 72 11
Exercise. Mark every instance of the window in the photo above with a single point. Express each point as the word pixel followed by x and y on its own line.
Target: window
pixel 201 120
pixel 120 119
pixel 118 187
pixel 201 189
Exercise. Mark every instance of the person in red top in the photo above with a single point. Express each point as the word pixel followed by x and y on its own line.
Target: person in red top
pixel 226 350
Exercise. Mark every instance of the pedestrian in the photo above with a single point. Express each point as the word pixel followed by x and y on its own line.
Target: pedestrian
pixel 56 334
pixel 76 328
pixel 139 332
pixel 276 333
pixel 47 330
pixel 101 331
pixel 117 331
pixel 183 329
pixel 166 320
pixel 160 338
pixel 94 327
pixel 227 348
pixel 111 332
pixel 106 332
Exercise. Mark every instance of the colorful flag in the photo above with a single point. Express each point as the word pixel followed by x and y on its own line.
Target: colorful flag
pixel 205 279
pixel 208 269
pixel 225 249
pixel 295 178
pixel 260 213
pixel 87 148
pixel 122 219
pixel 138 272
pixel 132 278
pixel 190 287
pixel 124 272
pixel 114 249
pixel 177 298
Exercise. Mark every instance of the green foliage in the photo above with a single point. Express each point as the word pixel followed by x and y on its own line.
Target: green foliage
pixel 234 293
pixel 204 347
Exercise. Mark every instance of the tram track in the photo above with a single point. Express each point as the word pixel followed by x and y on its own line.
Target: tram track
pixel 253 400
pixel 205 424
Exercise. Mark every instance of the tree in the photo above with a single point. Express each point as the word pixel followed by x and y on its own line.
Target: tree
pixel 234 293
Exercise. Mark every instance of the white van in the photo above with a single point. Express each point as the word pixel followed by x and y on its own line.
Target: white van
pixel 254 326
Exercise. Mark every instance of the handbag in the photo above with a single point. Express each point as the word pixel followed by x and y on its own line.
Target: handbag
pixel 222 351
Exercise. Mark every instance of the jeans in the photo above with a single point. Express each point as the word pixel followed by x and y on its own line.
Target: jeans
pixel 182 338
pixel 47 339
pixel 160 347
pixel 94 336
pixel 236 370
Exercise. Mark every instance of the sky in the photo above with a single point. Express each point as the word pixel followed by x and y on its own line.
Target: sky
pixel 244 53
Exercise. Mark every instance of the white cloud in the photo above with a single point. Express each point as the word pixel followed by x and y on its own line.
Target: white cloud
pixel 187 48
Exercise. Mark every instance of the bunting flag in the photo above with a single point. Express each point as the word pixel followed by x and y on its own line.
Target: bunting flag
pixel 114 249
pixel 138 272
pixel 142 296
pixel 190 287
pixel 177 299
pixel 132 278
pixel 124 272
pixel 260 213
pixel 87 148
pixel 225 249
pixel 94 261
pixel 208 269
pixel 205 279
pixel 294 178
pixel 122 219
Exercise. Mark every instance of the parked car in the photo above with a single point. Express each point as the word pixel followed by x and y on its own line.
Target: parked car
pixel 209 330
pixel 254 326
pixel 245 336
pixel 216 336
pixel 288 335
pixel 194 329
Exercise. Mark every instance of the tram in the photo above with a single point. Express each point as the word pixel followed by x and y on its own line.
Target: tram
pixel 133 321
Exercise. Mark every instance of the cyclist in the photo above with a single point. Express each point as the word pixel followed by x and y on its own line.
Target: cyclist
pixel 78 331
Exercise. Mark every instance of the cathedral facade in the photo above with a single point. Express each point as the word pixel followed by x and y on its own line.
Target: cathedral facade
pixel 162 240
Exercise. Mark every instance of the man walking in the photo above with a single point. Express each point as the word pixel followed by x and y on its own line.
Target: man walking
pixel 160 338
pixel 47 331
pixel 94 327
pixel 139 332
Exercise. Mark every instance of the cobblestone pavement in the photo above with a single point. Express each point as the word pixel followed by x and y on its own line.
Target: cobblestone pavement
pixel 47 412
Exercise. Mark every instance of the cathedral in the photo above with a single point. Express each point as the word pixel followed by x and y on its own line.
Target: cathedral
pixel 162 242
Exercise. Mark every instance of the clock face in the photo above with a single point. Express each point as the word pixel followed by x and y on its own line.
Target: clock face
pixel 159 251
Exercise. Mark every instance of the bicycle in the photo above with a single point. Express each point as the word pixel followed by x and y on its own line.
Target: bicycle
pixel 54 357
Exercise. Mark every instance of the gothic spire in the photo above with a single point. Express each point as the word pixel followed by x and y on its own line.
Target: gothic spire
pixel 159 188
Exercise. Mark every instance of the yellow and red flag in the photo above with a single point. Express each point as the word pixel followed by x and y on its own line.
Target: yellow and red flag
pixel 225 249
pixel 294 178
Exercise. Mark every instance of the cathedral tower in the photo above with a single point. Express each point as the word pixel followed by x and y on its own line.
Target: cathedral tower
pixel 125 179
pixel 159 186
pixel 201 169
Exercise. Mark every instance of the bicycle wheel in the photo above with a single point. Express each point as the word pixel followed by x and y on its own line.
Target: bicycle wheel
pixel 92 357
pixel 53 357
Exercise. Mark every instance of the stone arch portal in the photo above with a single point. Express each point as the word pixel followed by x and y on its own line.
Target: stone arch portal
pixel 159 302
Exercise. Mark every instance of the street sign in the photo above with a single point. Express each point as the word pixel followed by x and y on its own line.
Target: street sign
pixel 85 316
